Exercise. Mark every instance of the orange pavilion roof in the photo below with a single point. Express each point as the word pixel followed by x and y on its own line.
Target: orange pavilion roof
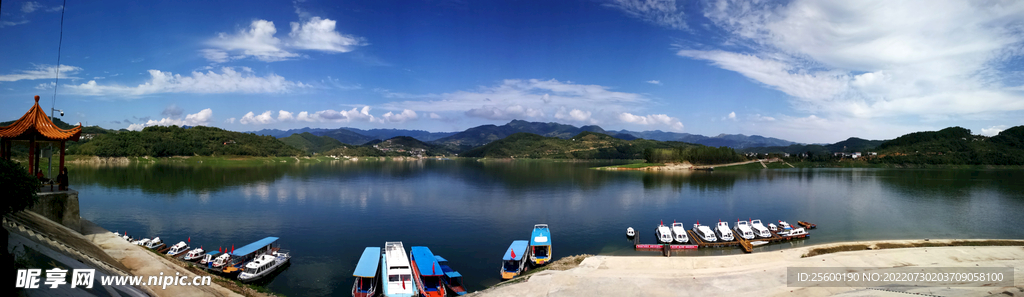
pixel 36 121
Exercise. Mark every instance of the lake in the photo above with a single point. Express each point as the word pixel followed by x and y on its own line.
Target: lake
pixel 470 211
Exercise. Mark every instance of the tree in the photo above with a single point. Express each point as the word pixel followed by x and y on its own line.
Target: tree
pixel 20 190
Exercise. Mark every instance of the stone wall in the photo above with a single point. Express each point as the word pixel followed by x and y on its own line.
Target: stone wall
pixel 60 207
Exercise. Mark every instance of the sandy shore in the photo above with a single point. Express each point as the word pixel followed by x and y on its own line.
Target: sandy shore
pixel 761 274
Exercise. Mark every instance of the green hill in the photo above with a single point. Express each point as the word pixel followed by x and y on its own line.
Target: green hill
pixel 954 146
pixel 161 141
pixel 310 143
pixel 585 145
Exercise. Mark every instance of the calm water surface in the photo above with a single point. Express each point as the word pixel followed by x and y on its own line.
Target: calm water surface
pixel 470 211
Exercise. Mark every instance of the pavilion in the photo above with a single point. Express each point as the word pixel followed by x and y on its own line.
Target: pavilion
pixel 35 127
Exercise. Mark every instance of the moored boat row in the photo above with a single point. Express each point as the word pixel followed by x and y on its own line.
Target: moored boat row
pixel 419 273
pixel 250 263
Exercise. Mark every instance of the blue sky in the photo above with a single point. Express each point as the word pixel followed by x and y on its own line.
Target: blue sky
pixel 807 71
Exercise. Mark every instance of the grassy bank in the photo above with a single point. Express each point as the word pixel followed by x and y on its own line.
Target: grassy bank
pixel 80 160
pixel 630 166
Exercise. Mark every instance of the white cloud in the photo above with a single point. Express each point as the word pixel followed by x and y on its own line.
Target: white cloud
pixel 328 116
pixel 285 116
pixel 406 115
pixel 665 13
pixel 201 118
pixel 992 131
pixel 731 116
pixel 509 112
pixel 42 72
pixel 227 81
pixel 12 23
pixel 574 115
pixel 652 120
pixel 524 93
pixel 230 121
pixel 251 118
pixel 435 116
pixel 654 82
pixel 257 41
pixel 29 7
pixel 320 34
pixel 875 59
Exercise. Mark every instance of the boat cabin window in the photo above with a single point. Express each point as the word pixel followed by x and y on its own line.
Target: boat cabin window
pixel 511 266
pixel 406 277
pixel 392 277
pixel 540 251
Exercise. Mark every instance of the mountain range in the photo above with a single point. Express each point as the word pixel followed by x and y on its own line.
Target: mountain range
pixel 481 135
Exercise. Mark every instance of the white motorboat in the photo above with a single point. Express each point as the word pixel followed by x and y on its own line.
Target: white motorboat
pixel 195 253
pixel 141 242
pixel 630 232
pixel 125 237
pixel 395 269
pixel 793 232
pixel 798 232
pixel 679 233
pixel 263 265
pixel 743 230
pixel 664 234
pixel 704 232
pixel 177 249
pixel 783 226
pixel 759 229
pixel 759 242
pixel 773 228
pixel 723 231
pixel 221 260
pixel 154 243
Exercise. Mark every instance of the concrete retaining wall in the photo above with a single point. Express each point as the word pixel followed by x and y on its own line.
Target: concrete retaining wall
pixel 60 207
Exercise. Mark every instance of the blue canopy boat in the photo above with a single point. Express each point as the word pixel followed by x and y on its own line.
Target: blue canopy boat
pixel 366 273
pixel 540 244
pixel 513 262
pixel 451 278
pixel 242 255
pixel 427 273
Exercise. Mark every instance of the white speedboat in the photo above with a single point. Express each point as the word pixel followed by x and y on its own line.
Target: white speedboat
pixel 704 232
pixel 783 226
pixel 759 242
pixel 141 242
pixel 773 228
pixel 664 234
pixel 177 249
pixel 221 260
pixel 793 232
pixel 263 265
pixel 759 229
pixel 125 237
pixel 723 231
pixel 154 243
pixel 396 271
pixel 630 232
pixel 679 233
pixel 194 254
pixel 743 230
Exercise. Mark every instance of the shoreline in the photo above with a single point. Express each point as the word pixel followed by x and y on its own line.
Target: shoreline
pixel 764 274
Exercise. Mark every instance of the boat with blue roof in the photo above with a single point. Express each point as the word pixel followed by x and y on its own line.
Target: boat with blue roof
pixel 395 268
pixel 366 273
pixel 243 255
pixel 427 273
pixel 514 262
pixel 540 244
pixel 451 278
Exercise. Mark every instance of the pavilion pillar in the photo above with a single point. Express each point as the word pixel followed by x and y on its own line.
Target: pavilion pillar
pixel 32 157
pixel 39 152
pixel 61 168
